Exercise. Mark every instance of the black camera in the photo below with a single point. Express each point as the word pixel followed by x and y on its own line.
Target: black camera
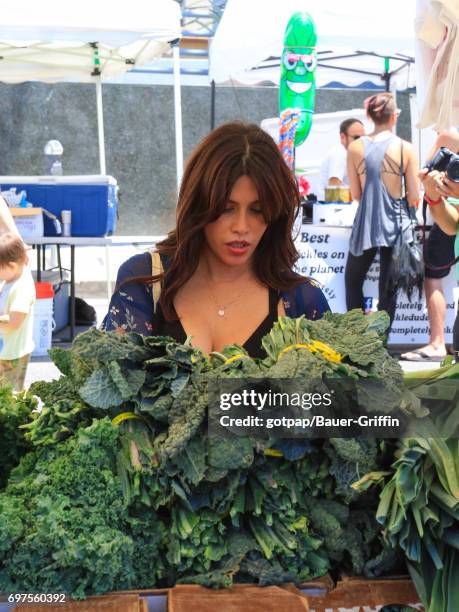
pixel 445 160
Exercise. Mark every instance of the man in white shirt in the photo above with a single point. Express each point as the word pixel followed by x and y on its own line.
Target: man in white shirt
pixel 333 169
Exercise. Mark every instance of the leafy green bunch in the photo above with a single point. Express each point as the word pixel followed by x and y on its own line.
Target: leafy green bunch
pixel 65 526
pixel 419 509
pixel 106 374
pixel 419 502
pixel 234 508
pixel 15 411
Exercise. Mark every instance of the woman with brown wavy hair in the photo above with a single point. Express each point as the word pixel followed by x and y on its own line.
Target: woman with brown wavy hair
pixel 226 270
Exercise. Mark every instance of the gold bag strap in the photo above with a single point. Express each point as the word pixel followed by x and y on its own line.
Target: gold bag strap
pixel 156 268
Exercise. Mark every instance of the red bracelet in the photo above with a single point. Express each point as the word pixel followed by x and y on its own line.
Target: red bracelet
pixel 433 202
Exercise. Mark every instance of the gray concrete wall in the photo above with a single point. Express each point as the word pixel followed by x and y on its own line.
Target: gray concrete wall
pixel 139 133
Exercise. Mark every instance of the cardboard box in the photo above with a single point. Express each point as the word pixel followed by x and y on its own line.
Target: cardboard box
pixel 29 222
pixel 353 594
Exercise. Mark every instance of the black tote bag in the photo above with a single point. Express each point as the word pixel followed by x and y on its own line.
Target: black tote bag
pixel 406 270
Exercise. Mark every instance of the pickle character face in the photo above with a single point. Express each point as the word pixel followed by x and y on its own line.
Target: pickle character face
pixel 297 71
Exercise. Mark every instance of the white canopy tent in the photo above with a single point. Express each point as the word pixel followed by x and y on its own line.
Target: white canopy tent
pixel 86 42
pixel 354 38
pixel 437 62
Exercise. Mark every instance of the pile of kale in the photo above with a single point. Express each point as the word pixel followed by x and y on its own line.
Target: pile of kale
pixel 120 485
pixel 15 410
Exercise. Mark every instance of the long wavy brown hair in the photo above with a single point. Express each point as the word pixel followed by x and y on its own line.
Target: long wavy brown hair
pixel 227 153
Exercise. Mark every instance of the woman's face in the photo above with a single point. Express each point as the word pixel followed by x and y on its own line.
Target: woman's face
pixel 235 235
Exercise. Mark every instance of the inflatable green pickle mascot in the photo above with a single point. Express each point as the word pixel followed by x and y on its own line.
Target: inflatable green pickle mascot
pixel 298 65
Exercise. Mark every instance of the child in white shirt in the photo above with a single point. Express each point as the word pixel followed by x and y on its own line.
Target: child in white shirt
pixel 17 297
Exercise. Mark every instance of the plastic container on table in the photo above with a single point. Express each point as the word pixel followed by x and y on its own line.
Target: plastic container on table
pixel 61 300
pixel 43 318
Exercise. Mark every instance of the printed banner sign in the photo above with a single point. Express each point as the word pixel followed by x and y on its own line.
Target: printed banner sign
pixel 323 254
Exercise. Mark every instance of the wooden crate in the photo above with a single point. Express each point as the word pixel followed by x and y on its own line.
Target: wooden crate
pixel 104 603
pixel 239 598
pixel 350 594
pixel 353 594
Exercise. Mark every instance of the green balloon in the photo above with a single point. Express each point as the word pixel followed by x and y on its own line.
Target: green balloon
pixel 297 86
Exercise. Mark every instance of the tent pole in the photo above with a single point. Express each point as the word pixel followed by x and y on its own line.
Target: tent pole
pixel 387 79
pixel 100 125
pixel 386 76
pixel 212 104
pixel 178 113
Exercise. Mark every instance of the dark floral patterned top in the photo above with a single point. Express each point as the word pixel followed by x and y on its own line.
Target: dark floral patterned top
pixel 131 306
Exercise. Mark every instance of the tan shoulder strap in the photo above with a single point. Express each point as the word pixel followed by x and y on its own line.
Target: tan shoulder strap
pixel 156 268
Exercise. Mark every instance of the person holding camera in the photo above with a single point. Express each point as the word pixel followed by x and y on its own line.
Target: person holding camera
pixel 441 181
pixel 438 258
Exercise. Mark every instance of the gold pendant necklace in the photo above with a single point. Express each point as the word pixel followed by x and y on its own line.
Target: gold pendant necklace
pixel 221 309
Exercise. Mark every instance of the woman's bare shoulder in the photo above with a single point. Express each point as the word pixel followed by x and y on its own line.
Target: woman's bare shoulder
pixel 356 146
pixel 409 153
pixel 408 146
pixel 394 149
pixel 356 149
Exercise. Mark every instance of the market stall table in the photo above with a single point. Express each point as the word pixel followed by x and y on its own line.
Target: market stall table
pixel 72 242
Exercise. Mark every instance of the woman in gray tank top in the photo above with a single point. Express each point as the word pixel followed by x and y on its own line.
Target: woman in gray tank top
pixel 374 175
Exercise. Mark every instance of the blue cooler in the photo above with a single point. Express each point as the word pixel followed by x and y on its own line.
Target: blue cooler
pixel 92 200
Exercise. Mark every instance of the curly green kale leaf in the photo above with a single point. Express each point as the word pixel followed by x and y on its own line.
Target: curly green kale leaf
pixel 62 359
pixel 15 412
pixel 62 388
pixel 65 525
